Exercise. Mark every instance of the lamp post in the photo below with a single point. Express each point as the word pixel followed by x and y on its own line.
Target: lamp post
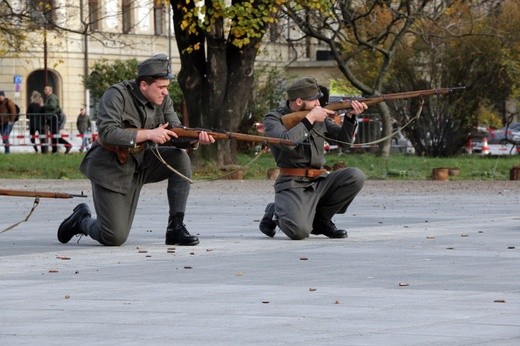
pixel 45 69
pixel 85 51
pixel 169 30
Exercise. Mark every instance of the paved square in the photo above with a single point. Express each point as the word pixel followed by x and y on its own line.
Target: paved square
pixel 425 263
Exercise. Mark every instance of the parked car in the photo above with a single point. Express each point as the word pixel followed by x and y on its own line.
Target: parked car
pixel 506 134
pixel 491 142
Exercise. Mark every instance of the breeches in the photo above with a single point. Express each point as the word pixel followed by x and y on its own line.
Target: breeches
pixel 297 207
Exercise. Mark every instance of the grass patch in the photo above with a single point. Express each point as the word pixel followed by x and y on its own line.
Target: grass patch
pixel 396 167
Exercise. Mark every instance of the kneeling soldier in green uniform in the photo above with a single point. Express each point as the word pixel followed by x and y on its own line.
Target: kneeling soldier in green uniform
pixel 306 195
pixel 131 113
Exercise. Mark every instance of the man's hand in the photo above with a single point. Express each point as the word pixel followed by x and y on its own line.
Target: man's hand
pixel 162 134
pixel 357 108
pixel 158 135
pixel 204 138
pixel 318 114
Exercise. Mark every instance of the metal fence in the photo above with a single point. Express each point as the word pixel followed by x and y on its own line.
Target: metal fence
pixel 44 131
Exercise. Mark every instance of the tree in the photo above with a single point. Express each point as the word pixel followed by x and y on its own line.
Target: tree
pixel 19 18
pixel 218 45
pixel 474 59
pixel 11 37
pixel 367 38
pixel 363 37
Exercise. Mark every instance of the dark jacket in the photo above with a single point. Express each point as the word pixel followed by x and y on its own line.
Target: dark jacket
pixel 83 123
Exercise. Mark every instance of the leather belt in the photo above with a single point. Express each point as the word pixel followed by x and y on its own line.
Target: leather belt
pixel 122 153
pixel 303 172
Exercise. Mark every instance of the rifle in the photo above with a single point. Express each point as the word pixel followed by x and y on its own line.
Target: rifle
pixel 290 120
pixel 187 132
pixel 37 195
pixel 21 193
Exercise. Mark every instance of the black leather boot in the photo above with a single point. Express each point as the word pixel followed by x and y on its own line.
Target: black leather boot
pixel 268 224
pixel 177 234
pixel 72 225
pixel 327 228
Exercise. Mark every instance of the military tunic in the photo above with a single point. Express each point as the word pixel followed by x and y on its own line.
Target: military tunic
pixel 115 186
pixel 299 199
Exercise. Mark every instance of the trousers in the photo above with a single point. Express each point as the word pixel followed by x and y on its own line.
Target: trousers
pixel 115 211
pixel 297 207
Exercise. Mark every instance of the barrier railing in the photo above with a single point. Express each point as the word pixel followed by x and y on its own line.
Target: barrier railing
pixel 43 131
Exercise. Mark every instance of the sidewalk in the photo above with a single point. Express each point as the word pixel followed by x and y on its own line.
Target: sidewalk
pixel 425 263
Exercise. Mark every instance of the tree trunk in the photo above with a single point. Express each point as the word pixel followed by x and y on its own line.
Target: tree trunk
pixel 384 147
pixel 216 80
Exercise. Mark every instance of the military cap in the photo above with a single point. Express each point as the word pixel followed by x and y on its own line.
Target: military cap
pixel 305 88
pixel 158 66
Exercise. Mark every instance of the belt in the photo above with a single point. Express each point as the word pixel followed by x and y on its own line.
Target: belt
pixel 303 172
pixel 122 153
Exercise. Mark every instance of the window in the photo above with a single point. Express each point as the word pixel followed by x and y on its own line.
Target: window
pixel 127 16
pixel 158 17
pixel 93 15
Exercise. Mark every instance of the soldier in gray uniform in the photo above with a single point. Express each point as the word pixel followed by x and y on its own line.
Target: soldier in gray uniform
pixel 118 164
pixel 306 195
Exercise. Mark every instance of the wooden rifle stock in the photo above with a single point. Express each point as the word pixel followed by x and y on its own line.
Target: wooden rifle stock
pixel 290 120
pixel 41 194
pixel 187 132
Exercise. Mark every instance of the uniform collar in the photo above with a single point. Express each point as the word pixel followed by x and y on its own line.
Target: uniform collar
pixel 134 89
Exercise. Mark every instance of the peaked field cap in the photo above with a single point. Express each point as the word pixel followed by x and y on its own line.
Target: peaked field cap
pixel 305 88
pixel 157 66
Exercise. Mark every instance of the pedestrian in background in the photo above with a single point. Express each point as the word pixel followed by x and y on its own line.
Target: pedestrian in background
pixel 62 121
pixel 54 116
pixel 84 125
pixel 37 123
pixel 7 119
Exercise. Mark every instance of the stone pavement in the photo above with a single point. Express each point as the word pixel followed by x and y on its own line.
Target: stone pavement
pixel 426 263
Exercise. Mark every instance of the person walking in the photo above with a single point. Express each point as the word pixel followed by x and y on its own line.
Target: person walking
pixel 7 119
pixel 306 195
pixel 84 126
pixel 37 123
pixel 53 112
pixel 62 121
pixel 132 114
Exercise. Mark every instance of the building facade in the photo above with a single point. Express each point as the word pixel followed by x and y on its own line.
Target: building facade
pixel 119 29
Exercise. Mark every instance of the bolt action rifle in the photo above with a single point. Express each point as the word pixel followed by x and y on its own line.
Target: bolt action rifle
pixel 38 194
pixel 187 132
pixel 290 120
